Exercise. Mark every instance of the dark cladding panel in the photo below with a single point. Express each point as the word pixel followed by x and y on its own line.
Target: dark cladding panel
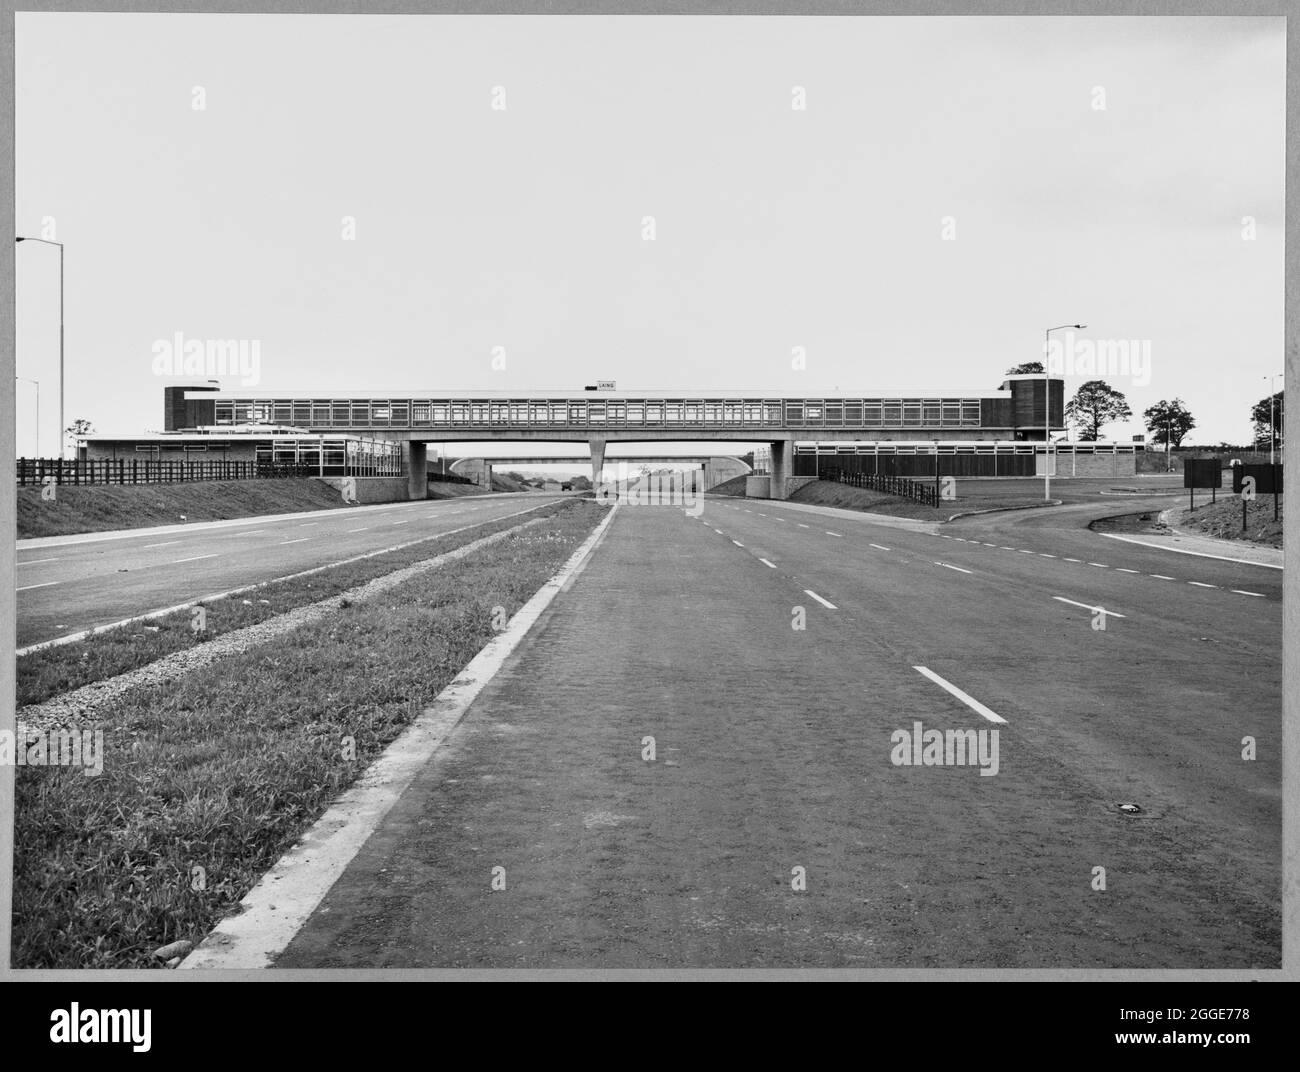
pixel 995 413
pixel 180 412
pixel 1027 404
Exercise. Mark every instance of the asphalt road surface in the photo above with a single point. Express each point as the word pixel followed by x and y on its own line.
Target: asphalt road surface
pixel 773 826
pixel 70 583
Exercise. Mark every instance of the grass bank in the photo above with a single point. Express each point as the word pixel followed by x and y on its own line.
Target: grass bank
pixel 208 781
pixel 1222 520
pixel 104 508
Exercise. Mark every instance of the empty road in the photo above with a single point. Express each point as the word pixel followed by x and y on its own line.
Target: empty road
pixel 775 825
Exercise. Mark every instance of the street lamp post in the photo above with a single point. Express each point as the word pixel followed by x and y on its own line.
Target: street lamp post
pixel 1047 407
pixel 38 410
pixel 1272 418
pixel 51 242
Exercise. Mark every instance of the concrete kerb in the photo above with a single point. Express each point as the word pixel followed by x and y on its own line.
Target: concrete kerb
pixel 282 902
pixel 1006 509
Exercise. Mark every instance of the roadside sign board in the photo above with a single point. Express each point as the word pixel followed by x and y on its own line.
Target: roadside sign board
pixel 1202 473
pixel 1268 478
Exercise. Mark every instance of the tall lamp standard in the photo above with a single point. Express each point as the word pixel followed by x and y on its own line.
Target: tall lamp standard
pixel 1272 417
pixel 1047 407
pixel 51 242
pixel 38 410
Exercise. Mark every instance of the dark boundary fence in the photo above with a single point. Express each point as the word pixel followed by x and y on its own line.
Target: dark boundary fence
pixel 916 466
pixel 448 478
pixel 924 493
pixel 70 471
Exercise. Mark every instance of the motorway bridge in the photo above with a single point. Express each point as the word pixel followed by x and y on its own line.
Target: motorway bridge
pixel 1018 410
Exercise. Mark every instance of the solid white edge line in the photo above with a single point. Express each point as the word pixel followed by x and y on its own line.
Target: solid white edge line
pixel 196 558
pixel 28 587
pixel 965 698
pixel 36 561
pixel 1184 551
pixel 284 899
pixel 1257 595
pixel 1085 606
pixel 823 602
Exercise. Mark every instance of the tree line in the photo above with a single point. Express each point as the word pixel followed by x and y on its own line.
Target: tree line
pixel 1096 404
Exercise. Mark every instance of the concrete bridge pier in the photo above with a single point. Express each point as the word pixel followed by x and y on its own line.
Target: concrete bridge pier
pixel 782 467
pixel 417 470
pixel 597 445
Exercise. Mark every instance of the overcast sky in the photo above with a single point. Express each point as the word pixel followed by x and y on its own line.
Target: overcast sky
pixel 522 228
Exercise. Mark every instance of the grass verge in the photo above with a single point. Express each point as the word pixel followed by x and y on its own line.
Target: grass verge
pixel 107 507
pixel 208 781
pixel 847 497
pixel 53 671
pixel 1222 520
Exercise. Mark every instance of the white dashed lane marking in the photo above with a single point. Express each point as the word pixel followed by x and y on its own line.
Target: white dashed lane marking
pixel 196 558
pixel 1258 595
pixel 1085 606
pixel 965 698
pixel 946 565
pixel 878 547
pixel 769 565
pixel 823 602
pixel 1202 584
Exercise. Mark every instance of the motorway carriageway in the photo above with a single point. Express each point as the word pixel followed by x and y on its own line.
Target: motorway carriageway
pixel 73 583
pixel 774 753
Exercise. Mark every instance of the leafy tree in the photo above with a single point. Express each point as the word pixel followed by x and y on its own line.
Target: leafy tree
pixel 1027 369
pixel 1095 404
pixel 1265 412
pixel 80 426
pixel 1168 422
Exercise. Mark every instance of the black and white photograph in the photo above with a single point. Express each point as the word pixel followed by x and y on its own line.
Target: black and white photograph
pixel 731 492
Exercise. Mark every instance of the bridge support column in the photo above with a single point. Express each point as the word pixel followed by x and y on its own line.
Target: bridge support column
pixel 782 466
pixel 597 444
pixel 417 470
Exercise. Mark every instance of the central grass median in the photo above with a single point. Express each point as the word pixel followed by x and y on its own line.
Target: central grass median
pixel 207 781
pixel 55 670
